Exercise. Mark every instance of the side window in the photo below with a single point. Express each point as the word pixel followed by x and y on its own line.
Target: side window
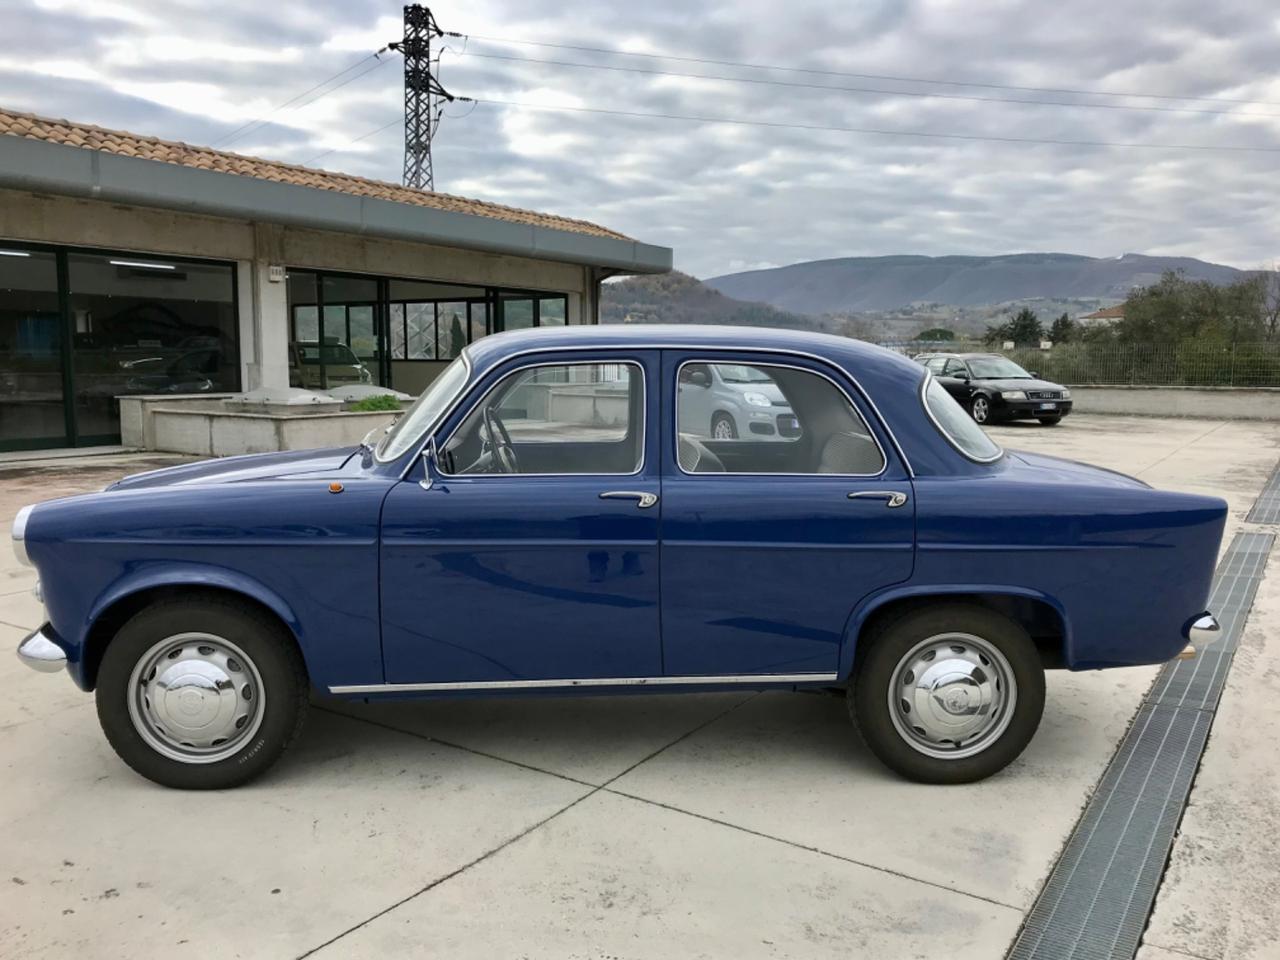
pixel 766 418
pixel 936 365
pixel 571 418
pixel 955 368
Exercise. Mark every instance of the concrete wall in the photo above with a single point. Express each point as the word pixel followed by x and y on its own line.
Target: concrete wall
pixel 1216 403
pixel 218 433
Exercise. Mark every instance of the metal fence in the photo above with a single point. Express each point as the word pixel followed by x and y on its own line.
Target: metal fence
pixel 1193 363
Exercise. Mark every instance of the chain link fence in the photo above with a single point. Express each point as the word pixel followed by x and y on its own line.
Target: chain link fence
pixel 1192 363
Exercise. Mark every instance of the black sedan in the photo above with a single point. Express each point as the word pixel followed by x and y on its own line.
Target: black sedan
pixel 992 387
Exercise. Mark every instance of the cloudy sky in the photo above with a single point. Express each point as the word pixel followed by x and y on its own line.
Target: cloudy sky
pixel 732 196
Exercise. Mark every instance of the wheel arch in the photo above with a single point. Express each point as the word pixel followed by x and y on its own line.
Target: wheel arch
pixel 123 601
pixel 1040 615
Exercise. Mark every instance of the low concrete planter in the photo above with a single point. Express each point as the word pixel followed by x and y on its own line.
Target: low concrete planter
pixel 219 433
pixel 205 425
pixel 1230 403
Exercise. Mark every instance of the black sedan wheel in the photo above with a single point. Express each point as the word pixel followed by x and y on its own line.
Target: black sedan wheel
pixel 202 694
pixel 948 694
pixel 980 408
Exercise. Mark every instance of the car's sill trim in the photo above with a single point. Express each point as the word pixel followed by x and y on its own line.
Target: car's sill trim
pixel 371 688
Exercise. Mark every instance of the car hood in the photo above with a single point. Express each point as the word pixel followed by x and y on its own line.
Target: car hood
pixel 256 466
pixel 1040 466
pixel 1017 383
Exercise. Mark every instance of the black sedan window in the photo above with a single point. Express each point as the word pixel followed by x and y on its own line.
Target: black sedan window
pixel 997 368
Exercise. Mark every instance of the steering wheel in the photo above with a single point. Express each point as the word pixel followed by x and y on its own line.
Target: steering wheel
pixel 504 453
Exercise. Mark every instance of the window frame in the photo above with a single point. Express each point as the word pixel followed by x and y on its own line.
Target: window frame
pixel 922 393
pixel 701 358
pixel 502 377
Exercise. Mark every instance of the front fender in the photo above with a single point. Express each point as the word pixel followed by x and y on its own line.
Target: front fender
pixel 877 601
pixel 144 577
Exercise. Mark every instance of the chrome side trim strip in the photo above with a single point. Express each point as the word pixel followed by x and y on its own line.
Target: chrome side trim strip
pixel 367 688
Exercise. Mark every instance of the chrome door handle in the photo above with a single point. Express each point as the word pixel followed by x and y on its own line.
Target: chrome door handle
pixel 892 498
pixel 643 500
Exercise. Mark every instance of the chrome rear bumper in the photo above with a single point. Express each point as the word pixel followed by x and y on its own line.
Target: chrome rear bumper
pixel 39 652
pixel 1200 634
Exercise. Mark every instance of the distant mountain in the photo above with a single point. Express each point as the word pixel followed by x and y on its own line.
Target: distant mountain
pixel 679 298
pixel 857 284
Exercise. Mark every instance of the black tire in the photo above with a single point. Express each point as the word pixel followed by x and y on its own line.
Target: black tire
pixel 1049 421
pixel 894 641
pixel 980 409
pixel 272 653
pixel 727 421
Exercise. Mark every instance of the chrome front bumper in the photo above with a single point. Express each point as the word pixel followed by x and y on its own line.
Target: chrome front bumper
pixel 1200 634
pixel 39 652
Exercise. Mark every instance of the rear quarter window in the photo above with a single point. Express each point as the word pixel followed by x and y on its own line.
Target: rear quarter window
pixel 956 425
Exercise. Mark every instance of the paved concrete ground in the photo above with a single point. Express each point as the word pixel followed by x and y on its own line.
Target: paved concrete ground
pixel 748 825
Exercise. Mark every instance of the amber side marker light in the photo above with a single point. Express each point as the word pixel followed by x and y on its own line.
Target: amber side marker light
pixel 335 487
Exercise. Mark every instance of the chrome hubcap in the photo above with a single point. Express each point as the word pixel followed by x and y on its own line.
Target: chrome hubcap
pixel 980 410
pixel 196 698
pixel 723 430
pixel 952 696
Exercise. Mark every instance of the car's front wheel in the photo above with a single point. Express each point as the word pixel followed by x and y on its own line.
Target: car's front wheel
pixel 980 409
pixel 201 694
pixel 949 693
pixel 723 427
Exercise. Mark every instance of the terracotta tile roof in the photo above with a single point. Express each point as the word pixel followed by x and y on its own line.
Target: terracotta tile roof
pixel 1106 313
pixel 126 144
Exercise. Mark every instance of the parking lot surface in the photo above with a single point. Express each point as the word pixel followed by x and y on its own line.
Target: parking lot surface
pixel 745 825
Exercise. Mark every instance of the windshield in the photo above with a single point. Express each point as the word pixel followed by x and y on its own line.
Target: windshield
pixel 426 410
pixel 956 425
pixel 997 368
pixel 737 373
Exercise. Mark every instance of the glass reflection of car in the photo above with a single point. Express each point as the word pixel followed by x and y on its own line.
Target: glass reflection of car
pixel 725 401
pixel 195 371
pixel 339 362
pixel 536 524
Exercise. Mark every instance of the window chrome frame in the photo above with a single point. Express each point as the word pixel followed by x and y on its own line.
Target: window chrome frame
pixel 644 423
pixel 675 408
pixel 418 444
pixel 664 345
pixel 924 402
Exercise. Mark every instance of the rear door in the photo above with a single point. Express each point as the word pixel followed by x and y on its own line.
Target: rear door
pixel 769 542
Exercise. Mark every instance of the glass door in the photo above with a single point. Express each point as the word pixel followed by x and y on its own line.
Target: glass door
pixel 32 411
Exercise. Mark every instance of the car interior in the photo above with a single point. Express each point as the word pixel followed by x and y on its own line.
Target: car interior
pixel 833 439
pixel 589 419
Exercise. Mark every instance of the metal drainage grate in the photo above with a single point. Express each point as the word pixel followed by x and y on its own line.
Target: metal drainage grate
pixel 1266 509
pixel 1096 901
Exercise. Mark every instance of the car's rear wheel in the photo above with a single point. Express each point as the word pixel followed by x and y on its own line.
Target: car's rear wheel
pixel 723 427
pixel 1049 421
pixel 201 694
pixel 980 409
pixel 948 694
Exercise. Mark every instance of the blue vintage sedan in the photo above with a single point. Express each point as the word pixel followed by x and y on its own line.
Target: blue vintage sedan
pixel 546 519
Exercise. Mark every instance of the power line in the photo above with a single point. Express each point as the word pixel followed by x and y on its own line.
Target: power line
pixel 351 143
pixel 869 76
pixel 923 94
pixel 1224 148
pixel 243 129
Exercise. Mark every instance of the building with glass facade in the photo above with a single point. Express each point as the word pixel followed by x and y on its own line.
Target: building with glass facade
pixel 132 265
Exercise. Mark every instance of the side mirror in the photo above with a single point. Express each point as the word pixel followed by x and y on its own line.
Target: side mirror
pixel 699 378
pixel 430 465
pixel 1034 373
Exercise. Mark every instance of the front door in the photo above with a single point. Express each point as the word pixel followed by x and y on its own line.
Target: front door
pixel 533 556
pixel 771 536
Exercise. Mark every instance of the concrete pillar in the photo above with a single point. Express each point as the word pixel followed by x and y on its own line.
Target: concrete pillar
pixel 270 310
